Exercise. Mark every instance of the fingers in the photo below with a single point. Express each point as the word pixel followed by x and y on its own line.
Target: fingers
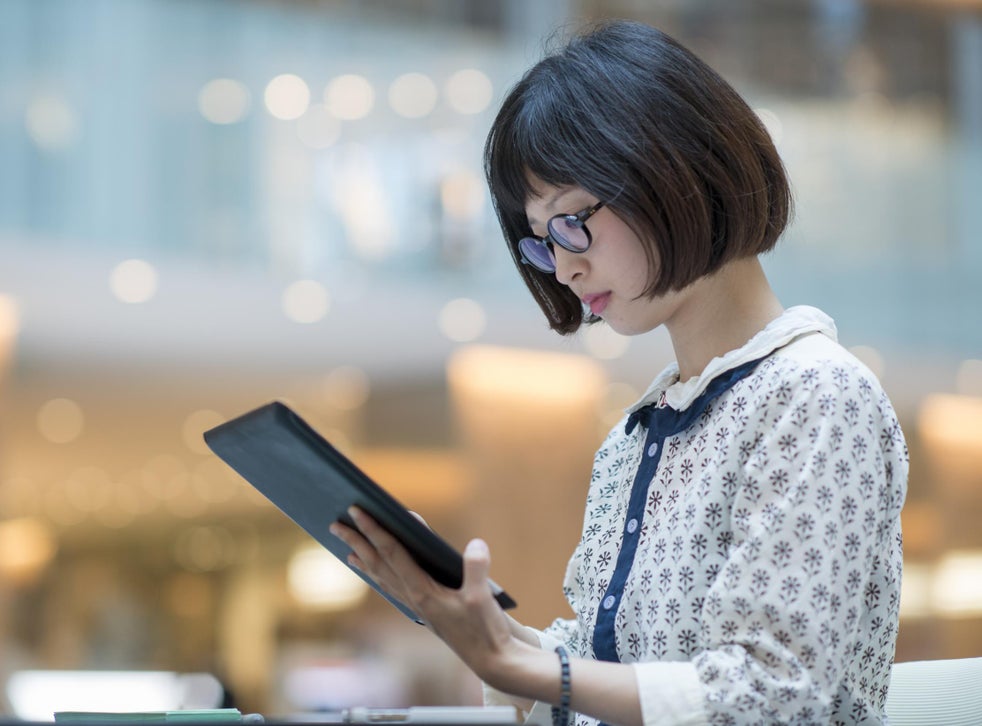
pixel 353 538
pixel 383 555
pixel 387 546
pixel 367 560
pixel 363 554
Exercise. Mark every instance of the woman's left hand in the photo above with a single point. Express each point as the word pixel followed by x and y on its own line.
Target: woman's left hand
pixel 468 619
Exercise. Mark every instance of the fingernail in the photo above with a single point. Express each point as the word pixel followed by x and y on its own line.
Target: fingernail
pixel 477 547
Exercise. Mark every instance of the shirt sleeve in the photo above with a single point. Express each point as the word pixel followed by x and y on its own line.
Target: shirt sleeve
pixel 671 694
pixel 810 588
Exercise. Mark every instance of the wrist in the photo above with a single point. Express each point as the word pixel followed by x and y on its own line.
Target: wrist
pixel 560 712
pixel 526 671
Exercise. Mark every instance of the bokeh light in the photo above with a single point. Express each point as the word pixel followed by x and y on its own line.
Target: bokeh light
pixel 224 101
pixel 60 420
pixel 318 580
pixel 51 122
pixel 349 97
pixel 305 301
pixel 602 342
pixel 462 320
pixel 469 91
pixel 413 95
pixel 133 281
pixel 287 97
pixel 773 123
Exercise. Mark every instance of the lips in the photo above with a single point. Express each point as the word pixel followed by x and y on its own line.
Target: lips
pixel 597 303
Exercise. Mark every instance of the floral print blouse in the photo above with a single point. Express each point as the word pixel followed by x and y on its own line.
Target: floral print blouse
pixel 741 543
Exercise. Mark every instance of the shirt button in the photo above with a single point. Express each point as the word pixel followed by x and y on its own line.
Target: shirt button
pixel 632 526
pixel 653 449
pixel 609 602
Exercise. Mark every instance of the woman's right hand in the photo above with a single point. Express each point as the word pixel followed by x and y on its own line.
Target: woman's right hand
pixel 392 585
pixel 381 573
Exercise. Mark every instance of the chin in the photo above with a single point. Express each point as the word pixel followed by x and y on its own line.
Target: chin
pixel 628 329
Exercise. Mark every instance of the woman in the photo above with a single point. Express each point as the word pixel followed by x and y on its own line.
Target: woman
pixel 740 559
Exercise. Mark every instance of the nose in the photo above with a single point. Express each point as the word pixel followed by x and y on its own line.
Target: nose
pixel 569 265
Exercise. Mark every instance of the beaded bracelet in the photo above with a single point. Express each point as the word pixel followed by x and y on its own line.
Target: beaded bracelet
pixel 560 713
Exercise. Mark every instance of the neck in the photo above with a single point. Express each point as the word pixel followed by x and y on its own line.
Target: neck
pixel 724 311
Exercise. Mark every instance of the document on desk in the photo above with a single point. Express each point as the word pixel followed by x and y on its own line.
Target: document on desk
pixel 315 484
pixel 434 715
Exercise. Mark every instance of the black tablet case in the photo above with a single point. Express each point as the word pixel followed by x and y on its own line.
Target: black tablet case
pixel 314 484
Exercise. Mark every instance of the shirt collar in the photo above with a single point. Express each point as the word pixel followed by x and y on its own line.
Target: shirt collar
pixel 790 325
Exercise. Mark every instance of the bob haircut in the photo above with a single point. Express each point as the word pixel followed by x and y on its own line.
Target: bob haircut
pixel 626 113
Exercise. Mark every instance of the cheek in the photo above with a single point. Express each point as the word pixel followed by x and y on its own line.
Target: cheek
pixel 639 262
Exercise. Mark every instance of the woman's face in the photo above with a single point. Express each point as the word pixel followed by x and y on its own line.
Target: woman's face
pixel 612 275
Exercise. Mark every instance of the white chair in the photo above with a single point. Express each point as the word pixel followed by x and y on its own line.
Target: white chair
pixel 936 692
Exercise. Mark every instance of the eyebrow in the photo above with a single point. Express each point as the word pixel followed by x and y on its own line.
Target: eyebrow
pixel 550 204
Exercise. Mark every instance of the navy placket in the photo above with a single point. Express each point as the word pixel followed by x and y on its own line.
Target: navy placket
pixel 661 423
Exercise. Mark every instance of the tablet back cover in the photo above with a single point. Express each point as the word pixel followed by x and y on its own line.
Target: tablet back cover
pixel 314 484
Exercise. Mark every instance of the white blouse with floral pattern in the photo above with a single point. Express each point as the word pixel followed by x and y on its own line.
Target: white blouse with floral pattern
pixel 741 544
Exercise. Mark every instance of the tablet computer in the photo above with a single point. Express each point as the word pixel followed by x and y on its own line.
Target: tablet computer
pixel 314 484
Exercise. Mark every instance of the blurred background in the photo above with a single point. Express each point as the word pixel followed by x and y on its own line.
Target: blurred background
pixel 209 204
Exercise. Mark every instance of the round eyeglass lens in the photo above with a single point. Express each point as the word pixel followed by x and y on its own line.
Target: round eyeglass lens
pixel 538 254
pixel 569 232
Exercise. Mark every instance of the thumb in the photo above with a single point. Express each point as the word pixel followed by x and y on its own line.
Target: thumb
pixel 477 564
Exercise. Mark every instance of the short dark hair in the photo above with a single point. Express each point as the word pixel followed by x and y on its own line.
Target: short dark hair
pixel 637 120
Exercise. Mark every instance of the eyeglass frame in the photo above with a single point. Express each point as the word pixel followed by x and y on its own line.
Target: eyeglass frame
pixel 579 219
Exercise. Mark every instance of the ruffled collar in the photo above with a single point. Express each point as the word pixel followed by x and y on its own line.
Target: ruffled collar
pixel 791 324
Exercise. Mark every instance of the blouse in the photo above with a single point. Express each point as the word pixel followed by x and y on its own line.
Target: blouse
pixel 741 544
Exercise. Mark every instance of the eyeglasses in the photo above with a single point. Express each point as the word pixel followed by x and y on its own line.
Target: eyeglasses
pixel 569 231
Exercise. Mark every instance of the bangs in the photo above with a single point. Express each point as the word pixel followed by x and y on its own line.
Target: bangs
pixel 522 150
pixel 531 142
